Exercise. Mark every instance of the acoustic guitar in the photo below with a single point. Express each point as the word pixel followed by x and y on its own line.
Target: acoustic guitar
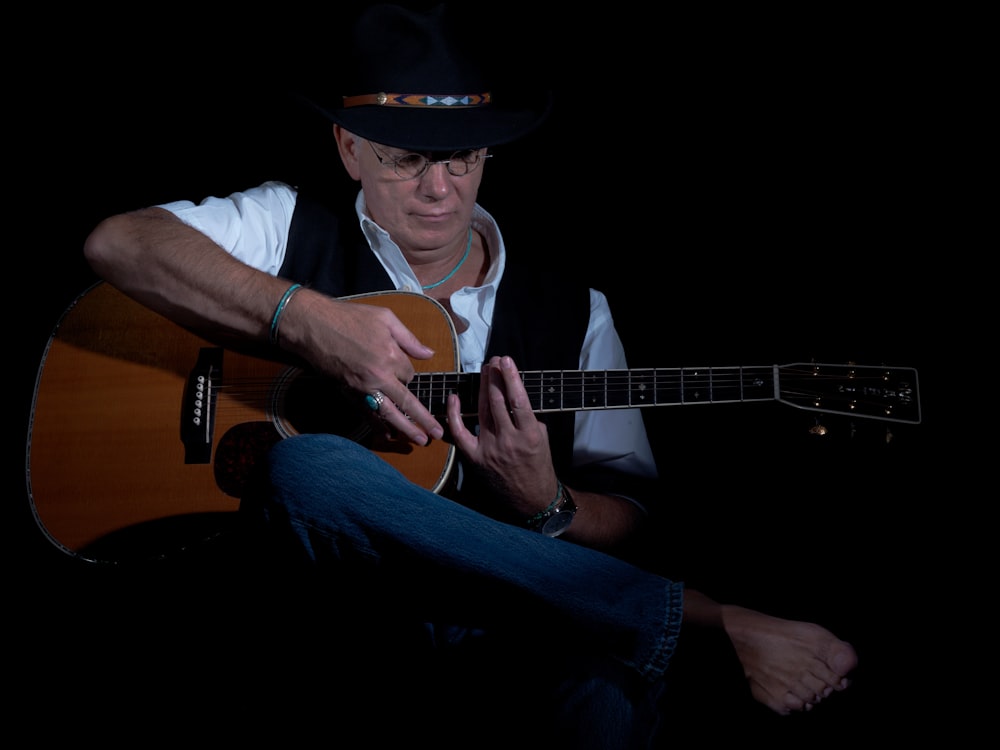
pixel 143 435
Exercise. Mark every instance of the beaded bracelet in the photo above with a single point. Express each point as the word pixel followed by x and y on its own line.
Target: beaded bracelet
pixel 280 309
pixel 555 501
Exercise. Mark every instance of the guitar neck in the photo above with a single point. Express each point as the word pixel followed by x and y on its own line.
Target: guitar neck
pixel 873 392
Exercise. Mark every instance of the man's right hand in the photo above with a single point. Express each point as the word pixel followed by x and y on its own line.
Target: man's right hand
pixel 367 348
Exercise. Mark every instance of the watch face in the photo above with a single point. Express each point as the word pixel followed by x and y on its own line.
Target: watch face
pixel 558 523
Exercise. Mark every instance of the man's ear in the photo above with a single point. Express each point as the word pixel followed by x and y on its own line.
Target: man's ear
pixel 348 145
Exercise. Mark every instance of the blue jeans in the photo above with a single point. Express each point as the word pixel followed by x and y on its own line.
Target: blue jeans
pixel 601 630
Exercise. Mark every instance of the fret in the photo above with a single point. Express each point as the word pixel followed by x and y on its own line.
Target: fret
pixel 551 390
pixel 695 385
pixel 420 387
pixel 642 388
pixel 757 384
pixel 618 390
pixel 595 389
pixel 432 390
pixel 667 386
pixel 437 393
pixel 726 384
pixel 573 390
pixel 533 385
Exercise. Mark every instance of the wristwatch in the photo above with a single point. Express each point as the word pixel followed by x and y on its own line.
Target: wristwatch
pixel 555 520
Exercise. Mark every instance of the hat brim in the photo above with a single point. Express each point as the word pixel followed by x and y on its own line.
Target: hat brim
pixel 439 128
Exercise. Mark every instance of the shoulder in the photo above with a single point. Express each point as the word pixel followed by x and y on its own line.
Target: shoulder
pixel 272 198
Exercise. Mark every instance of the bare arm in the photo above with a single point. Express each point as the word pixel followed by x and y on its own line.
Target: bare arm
pixel 180 273
pixel 176 270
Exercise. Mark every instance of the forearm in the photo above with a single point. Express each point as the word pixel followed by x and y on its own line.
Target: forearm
pixel 602 521
pixel 177 271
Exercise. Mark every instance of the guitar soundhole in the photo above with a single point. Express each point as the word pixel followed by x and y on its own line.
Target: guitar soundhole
pixel 311 404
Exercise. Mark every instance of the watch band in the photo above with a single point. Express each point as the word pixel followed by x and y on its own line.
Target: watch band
pixel 557 517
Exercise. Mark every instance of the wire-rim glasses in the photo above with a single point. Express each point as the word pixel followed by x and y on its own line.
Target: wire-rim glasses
pixel 412 165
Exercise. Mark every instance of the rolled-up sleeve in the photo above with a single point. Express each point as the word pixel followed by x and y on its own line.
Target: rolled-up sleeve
pixel 251 225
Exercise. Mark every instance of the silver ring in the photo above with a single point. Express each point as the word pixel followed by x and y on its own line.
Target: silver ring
pixel 374 400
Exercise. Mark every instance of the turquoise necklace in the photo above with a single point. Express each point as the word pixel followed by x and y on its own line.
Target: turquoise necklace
pixel 468 247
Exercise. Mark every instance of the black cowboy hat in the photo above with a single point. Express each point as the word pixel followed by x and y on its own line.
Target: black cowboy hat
pixel 411 79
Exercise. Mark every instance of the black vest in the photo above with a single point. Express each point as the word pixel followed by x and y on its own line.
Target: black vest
pixel 540 319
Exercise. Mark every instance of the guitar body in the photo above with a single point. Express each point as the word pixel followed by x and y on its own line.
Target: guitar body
pixel 106 459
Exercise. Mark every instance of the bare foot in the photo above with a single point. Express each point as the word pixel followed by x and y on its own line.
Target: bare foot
pixel 790 665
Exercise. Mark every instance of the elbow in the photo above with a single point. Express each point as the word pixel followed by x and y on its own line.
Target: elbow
pixel 111 244
pixel 122 243
pixel 97 247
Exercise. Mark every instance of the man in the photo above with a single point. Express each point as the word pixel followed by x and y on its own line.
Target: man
pixel 527 534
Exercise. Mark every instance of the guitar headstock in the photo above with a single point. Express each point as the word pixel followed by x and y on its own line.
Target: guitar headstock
pixel 884 393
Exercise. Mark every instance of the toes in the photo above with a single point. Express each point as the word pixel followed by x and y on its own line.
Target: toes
pixel 843 660
pixel 796 703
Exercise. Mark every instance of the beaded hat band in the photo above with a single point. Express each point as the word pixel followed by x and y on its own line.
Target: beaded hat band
pixel 418 100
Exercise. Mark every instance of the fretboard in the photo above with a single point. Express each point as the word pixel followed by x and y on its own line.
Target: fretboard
pixel 577 390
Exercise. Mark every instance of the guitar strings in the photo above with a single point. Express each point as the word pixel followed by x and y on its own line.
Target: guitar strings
pixel 572 390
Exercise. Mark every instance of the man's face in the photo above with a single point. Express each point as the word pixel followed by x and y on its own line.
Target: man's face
pixel 427 210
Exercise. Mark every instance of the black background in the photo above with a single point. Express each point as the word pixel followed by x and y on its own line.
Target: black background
pixel 746 189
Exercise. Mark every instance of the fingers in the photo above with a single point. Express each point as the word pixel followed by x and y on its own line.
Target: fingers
pixel 496 398
pixel 404 413
pixel 401 409
pixel 407 413
pixel 409 342
pixel 508 399
pixel 461 436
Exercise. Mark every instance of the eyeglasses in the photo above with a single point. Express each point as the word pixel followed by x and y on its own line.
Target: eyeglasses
pixel 411 165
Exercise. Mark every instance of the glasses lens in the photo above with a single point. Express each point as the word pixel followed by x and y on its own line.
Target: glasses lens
pixel 463 162
pixel 411 165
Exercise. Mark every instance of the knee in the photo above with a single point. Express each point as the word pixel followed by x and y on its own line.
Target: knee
pixel 324 464
pixel 328 476
pixel 309 457
pixel 310 471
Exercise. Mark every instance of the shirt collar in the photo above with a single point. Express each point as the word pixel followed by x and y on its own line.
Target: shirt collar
pixel 391 257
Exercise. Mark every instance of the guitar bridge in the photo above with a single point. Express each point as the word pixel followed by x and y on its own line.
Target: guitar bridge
pixel 198 406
